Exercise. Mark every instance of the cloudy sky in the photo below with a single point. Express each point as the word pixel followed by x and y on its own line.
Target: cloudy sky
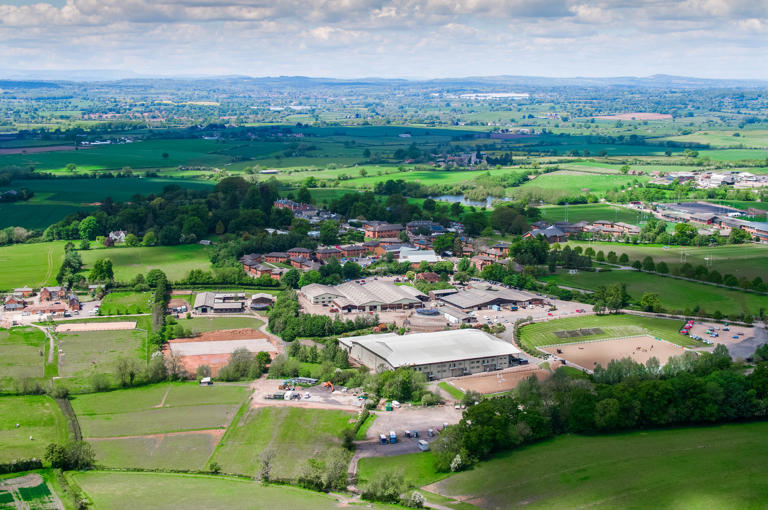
pixel 389 38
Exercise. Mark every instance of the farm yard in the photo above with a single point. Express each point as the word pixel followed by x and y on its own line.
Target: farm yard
pixel 295 434
pixel 172 425
pixel 677 468
pixel 675 295
pixel 39 420
pixel 594 327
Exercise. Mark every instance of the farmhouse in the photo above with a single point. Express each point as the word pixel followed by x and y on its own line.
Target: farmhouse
pixel 479 299
pixel 374 296
pixel 24 291
pixel 13 303
pixel 480 261
pixel 52 293
pixel 437 355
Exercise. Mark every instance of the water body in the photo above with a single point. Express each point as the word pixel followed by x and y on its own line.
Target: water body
pixel 488 202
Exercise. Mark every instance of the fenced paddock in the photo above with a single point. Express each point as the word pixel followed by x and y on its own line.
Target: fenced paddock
pixel 590 353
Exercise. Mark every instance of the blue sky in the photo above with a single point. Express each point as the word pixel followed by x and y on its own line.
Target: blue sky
pixel 389 38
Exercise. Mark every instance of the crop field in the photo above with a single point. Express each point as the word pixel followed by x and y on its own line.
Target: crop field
pixel 33 265
pixel 603 326
pixel 734 154
pixel 111 490
pixel 28 490
pixel 203 324
pixel 674 294
pixel 157 409
pixel 23 353
pixel 167 426
pixel 748 260
pixel 40 422
pixel 678 468
pixel 175 261
pixel 117 303
pixel 295 434
pixel 96 352
pixel 140 155
pixel 590 213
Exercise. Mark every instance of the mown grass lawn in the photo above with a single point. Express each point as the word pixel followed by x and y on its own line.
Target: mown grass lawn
pixel 203 324
pixel 612 326
pixel 295 434
pixel 97 352
pixel 118 490
pixel 418 469
pixel 40 422
pixel 118 303
pixel 691 468
pixel 175 261
pixel 675 295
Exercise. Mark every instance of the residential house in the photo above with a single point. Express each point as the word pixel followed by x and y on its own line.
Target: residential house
pixel 327 253
pixel 383 230
pixel 52 293
pixel 480 261
pixel 353 250
pixel 551 234
pixel 117 236
pixel 276 257
pixel 24 291
pixel 299 252
pixel 429 277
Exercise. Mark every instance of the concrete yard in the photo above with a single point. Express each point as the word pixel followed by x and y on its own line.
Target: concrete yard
pixel 413 418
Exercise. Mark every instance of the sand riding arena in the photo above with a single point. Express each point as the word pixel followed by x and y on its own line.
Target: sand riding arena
pixel 214 348
pixel 591 353
pixel 94 326
pixel 497 382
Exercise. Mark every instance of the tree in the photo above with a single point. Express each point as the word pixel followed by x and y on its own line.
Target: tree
pixel 202 372
pixel 650 302
pixel 662 267
pixel 637 265
pixel 385 487
pixel 303 195
pixel 265 463
pixel 193 228
pixel 127 369
pixel 464 264
pixel 403 236
pixel 88 228
pixel 291 278
pixel 329 232
pixel 352 271
pixel 76 455
pixel 624 258
pixel 131 240
pixel 71 167
pixel 150 238
pixel 648 264
pixel 164 155
pixel 155 276
pixel 102 271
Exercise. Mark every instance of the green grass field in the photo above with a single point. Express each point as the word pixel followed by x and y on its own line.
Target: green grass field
pixel 202 324
pixel 38 417
pixel 115 490
pixel 613 326
pixel 23 353
pixel 590 213
pixel 748 260
pixel 691 468
pixel 175 261
pixel 295 434
pixel 34 265
pixel 117 303
pixel 96 352
pixel 417 468
pixel 675 295
pixel 138 411
pixel 574 182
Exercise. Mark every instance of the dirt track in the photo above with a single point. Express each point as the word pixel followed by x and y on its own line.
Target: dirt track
pixel 497 382
pixel 95 326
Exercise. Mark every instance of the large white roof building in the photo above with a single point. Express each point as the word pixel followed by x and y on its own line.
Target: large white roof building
pixel 439 354
pixel 372 296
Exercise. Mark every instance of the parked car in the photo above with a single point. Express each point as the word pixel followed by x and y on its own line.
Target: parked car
pixel 423 445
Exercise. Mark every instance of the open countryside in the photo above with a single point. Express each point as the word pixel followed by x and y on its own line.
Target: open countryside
pixel 308 273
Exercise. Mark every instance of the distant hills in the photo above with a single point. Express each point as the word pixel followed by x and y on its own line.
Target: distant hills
pixel 15 78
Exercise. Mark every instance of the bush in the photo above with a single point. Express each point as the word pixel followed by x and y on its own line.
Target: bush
pixel 430 399
pixel 71 455
pixel 100 382
pixel 18 465
pixel 386 487
pixel 59 391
